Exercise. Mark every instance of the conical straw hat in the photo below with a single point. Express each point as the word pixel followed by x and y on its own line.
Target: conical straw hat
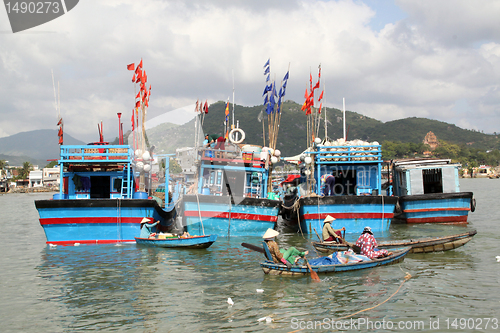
pixel 145 220
pixel 270 233
pixel 329 219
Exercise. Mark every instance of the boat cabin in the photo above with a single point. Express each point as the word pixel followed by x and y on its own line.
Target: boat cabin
pixel 425 176
pixel 232 172
pixel 96 172
pixel 356 168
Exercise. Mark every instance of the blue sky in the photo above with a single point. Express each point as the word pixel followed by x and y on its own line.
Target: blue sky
pixel 388 59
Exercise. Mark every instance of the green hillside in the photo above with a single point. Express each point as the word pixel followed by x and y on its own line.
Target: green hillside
pixel 292 134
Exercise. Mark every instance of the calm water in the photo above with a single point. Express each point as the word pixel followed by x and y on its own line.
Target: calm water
pixel 139 289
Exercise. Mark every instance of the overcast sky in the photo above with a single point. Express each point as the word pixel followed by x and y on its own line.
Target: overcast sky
pixel 390 59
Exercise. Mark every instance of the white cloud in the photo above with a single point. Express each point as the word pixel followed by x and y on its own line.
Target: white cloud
pixel 421 65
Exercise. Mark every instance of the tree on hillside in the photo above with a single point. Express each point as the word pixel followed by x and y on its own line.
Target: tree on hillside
pixel 51 164
pixel 3 164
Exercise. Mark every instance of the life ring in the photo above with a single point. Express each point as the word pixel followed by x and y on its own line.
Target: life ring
pixel 232 135
pixel 472 204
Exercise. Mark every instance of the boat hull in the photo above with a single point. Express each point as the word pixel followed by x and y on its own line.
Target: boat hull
pixel 97 221
pixel 221 216
pixel 196 242
pixel 279 269
pixel 450 208
pixel 352 212
pixel 423 245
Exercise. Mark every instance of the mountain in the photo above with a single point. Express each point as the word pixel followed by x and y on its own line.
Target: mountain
pixel 33 146
pixel 41 145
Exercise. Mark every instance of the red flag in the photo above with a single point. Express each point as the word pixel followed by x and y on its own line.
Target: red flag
pixel 133 78
pixel 131 67
pixel 60 133
pixel 132 120
pixel 59 122
pixel 143 79
pixel 61 140
pixel 304 105
pixel 138 95
pixel 306 94
pixel 146 102
pixel 140 64
pixel 205 108
pixel 139 75
pixel 138 104
pixel 316 86
pixel 319 110
pixel 321 96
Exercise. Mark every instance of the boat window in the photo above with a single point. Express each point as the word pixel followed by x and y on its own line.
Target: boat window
pixel 100 187
pixel 433 181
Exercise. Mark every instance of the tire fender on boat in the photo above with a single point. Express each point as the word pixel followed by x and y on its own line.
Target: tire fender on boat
pixel 232 135
pixel 472 204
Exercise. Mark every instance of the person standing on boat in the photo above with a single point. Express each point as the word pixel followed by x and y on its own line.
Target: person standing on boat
pixel 368 245
pixel 330 234
pixel 329 185
pixel 147 228
pixel 287 257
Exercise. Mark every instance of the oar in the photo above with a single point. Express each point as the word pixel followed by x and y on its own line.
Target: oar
pixel 253 247
pixel 314 275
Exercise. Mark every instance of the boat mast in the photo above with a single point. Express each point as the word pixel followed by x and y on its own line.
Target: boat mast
pixel 343 115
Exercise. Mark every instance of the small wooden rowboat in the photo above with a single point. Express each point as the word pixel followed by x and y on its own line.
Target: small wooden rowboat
pixel 418 245
pixel 193 242
pixel 272 268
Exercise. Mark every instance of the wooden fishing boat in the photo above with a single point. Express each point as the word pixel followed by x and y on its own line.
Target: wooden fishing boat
pixel 429 191
pixel 193 242
pixel 419 245
pixel 269 267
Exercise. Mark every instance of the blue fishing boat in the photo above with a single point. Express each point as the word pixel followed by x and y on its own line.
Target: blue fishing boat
pixel 106 190
pixel 270 267
pixel 429 191
pixel 193 242
pixel 98 201
pixel 231 194
pixel 354 199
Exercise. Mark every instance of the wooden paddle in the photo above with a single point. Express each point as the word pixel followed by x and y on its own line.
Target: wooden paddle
pixel 314 275
pixel 253 247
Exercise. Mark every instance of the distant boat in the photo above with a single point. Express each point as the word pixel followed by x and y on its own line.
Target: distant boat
pixel 429 191
pixel 193 242
pixel 418 245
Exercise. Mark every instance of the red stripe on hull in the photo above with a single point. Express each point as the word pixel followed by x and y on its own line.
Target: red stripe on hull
pixel 322 216
pixel 87 220
pixel 439 219
pixel 102 241
pixel 435 210
pixel 225 215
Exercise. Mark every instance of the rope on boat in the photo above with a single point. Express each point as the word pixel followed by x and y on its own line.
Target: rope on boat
pixel 406 278
pixel 199 214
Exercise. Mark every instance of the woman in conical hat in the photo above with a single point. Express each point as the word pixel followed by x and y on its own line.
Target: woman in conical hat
pixel 286 257
pixel 330 234
pixel 147 227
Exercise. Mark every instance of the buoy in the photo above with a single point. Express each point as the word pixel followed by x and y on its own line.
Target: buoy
pixel 277 153
pixel 147 167
pixel 308 159
pixel 139 166
pixel 146 156
pixel 232 135
pixel 274 160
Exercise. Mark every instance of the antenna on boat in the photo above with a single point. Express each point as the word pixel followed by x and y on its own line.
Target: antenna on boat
pixel 326 124
pixel 120 133
pixel 233 99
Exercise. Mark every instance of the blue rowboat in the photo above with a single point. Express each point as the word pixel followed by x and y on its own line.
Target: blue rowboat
pixel 193 242
pixel 269 267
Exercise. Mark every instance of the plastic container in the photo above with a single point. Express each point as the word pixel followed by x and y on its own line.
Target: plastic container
pixel 205 191
pixel 140 195
pixel 59 196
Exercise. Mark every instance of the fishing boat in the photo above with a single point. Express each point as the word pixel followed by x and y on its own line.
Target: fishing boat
pixel 231 194
pixel 429 191
pixel 356 199
pixel 106 190
pixel 193 242
pixel 418 245
pixel 269 267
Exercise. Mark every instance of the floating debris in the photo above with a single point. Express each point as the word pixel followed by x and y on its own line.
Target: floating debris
pixel 230 301
pixel 259 290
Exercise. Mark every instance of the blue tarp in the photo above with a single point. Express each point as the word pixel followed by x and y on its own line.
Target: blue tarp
pixel 321 261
